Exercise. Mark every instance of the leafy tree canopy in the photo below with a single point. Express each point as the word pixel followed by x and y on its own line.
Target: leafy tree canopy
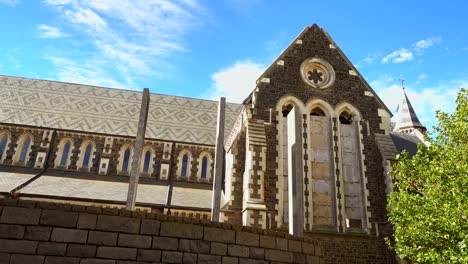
pixel 429 209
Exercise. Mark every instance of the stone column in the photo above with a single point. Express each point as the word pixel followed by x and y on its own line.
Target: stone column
pixel 219 162
pixel 140 140
pixel 43 149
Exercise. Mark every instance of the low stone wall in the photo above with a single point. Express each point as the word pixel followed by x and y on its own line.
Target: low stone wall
pixel 48 233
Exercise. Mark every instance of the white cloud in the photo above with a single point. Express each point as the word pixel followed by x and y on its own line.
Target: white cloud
pixel 9 2
pixel 398 56
pixel 426 43
pixel 237 81
pixel 423 76
pixel 134 37
pixel 46 31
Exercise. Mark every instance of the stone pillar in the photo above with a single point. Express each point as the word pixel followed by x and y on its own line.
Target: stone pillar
pixel 140 140
pixel 43 149
pixel 295 172
pixel 106 156
pixel 219 162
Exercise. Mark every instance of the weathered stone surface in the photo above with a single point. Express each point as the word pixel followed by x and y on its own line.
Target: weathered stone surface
pixel 82 251
pixel 149 255
pixel 218 249
pixel 209 259
pixel 118 224
pixel 172 257
pixel 196 246
pixel 59 218
pixel 190 258
pixel 137 241
pixel 69 235
pixel 220 235
pixel 116 253
pixel 97 261
pixel 87 221
pixel 4 258
pixel 165 243
pixel 281 244
pixel 102 238
pixel 247 239
pixel 40 233
pixel 267 242
pixel 238 251
pixel 308 248
pixel 150 227
pixel 299 258
pixel 276 255
pixel 295 246
pixel 257 253
pixel 11 231
pixel 230 260
pixel 18 246
pixel 61 260
pixel 181 230
pixel 255 261
pixel 51 249
pixel 313 259
pixel 29 259
pixel 20 216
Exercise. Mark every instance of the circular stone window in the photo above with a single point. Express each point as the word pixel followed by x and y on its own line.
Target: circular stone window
pixel 318 73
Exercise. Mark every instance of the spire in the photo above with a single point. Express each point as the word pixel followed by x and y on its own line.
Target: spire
pixel 407 121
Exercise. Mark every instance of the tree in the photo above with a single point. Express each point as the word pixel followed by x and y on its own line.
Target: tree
pixel 429 209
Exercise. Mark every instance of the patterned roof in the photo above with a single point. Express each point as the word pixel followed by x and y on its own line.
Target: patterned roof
pixel 94 109
pixel 406 116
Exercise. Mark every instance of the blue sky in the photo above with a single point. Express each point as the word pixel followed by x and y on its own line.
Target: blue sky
pixel 205 49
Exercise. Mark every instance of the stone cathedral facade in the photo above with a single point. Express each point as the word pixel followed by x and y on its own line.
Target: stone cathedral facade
pixel 307 152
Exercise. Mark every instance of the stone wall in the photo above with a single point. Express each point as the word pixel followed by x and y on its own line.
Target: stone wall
pixel 46 233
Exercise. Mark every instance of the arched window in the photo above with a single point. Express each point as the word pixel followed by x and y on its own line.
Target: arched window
pixel 147 161
pixel 204 169
pixel 65 154
pixel 126 161
pixel 4 140
pixel 24 149
pixel 87 156
pixel 184 166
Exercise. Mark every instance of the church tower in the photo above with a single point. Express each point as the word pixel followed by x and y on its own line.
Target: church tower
pixel 407 120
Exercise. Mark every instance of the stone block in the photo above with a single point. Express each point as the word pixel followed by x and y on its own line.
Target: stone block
pixel 82 251
pixel 189 258
pixel 11 231
pixel 165 243
pixel 299 258
pixel 238 251
pixel 196 246
pixel 247 239
pixel 181 230
pixel 61 260
pixel 256 261
pixel 137 241
pixel 220 235
pixel 118 224
pixel 276 255
pixel 4 258
pixel 295 246
pixel 257 253
pixel 308 248
pixel 59 218
pixel 209 259
pixel 18 246
pixel 149 255
pixel 40 233
pixel 282 244
pixel 230 260
pixel 150 227
pixel 97 261
pixel 51 249
pixel 21 216
pixel 87 221
pixel 69 235
pixel 102 238
pixel 29 259
pixel 313 259
pixel 318 251
pixel 218 249
pixel 116 253
pixel 172 257
pixel 267 242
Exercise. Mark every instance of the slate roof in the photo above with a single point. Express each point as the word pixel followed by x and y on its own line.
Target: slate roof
pixel 85 108
pixel 406 116
pixel 394 143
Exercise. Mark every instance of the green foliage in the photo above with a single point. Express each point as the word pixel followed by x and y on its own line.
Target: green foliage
pixel 429 209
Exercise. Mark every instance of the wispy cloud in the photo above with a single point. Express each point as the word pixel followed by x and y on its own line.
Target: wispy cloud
pixel 244 7
pixel 135 37
pixel 398 56
pixel 423 76
pixel 236 81
pixel 46 31
pixel 9 2
pixel 426 43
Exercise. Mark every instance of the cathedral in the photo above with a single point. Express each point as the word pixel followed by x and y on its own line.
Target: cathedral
pixel 308 152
